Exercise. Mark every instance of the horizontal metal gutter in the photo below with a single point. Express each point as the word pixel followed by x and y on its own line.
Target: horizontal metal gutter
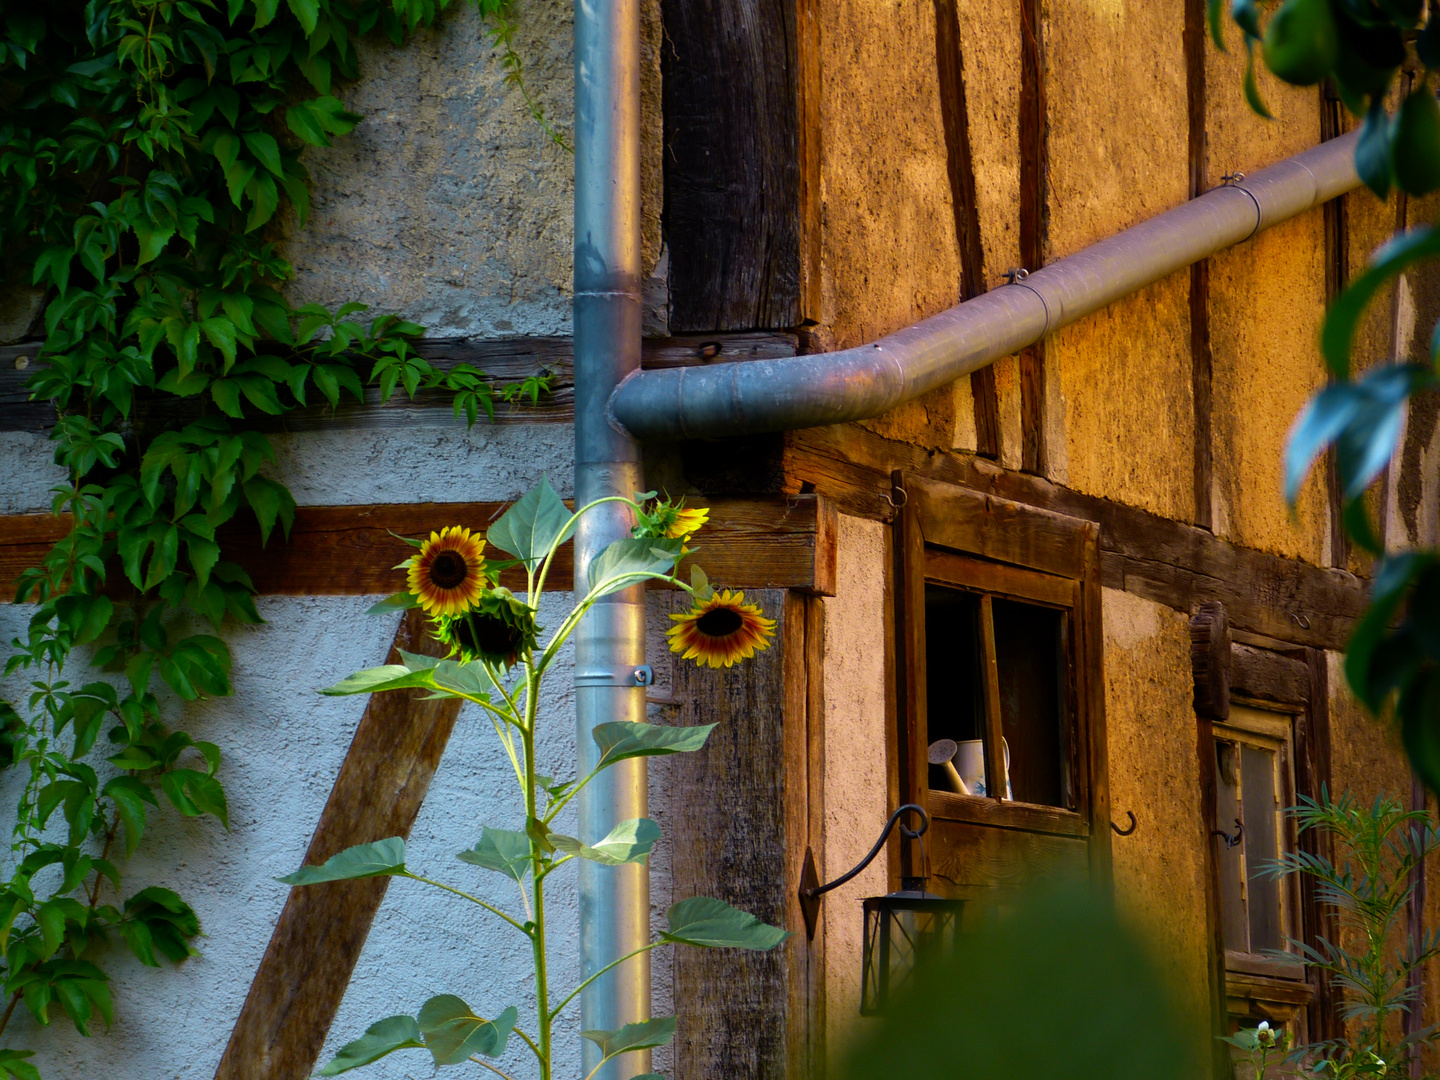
pixel 853 384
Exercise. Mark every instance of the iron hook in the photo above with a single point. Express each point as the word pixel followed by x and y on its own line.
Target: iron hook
pixel 1231 841
pixel 1126 831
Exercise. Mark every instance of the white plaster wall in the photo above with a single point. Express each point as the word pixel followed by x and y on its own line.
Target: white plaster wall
pixel 856 768
pixel 283 744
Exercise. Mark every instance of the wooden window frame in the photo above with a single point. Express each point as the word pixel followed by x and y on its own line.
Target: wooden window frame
pixel 960 538
pixel 1289 681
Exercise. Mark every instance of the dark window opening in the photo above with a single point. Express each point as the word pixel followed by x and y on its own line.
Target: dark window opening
pixel 1031 671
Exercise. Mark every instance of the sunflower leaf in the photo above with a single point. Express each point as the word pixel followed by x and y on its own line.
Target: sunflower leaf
pixel 502 850
pixel 624 739
pixel 534 524
pixel 645 1035
pixel 453 1032
pixel 400 601
pixel 373 680
pixel 380 1038
pixel 615 567
pixel 380 859
pixel 714 924
pixel 628 842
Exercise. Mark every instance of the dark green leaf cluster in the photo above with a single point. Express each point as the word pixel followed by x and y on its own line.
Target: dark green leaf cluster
pixel 1362 48
pixel 1370 50
pixel 146 149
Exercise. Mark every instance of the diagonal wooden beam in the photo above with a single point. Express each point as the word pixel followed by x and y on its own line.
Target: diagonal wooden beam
pixel 312 953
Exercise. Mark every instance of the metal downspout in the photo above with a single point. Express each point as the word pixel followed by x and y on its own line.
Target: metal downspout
pixel 610 641
pixel 829 388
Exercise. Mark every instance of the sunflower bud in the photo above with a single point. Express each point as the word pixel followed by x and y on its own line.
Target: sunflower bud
pixel 498 628
pixel 670 521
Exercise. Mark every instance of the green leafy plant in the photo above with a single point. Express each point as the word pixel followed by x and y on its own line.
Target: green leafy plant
pixel 1372 959
pixel 145 146
pixel 1370 51
pixel 1261 1046
pixel 498 663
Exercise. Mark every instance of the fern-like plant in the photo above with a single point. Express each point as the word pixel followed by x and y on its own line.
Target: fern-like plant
pixel 1367 887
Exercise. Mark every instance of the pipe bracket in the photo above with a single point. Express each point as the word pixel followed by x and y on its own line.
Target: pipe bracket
pixel 643 675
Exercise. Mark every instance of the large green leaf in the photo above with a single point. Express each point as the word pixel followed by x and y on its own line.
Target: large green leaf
pixel 361 861
pixel 613 569
pixel 628 842
pixel 623 739
pixel 532 525
pixel 502 850
pixel 373 680
pixel 380 1038
pixel 714 924
pixel 1391 260
pixel 13 1064
pixel 453 1032
pixel 642 1036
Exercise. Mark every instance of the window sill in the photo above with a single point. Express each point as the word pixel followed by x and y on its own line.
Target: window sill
pixel 949 806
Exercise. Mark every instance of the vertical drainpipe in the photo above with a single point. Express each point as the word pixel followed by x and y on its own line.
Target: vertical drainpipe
pixel 610 642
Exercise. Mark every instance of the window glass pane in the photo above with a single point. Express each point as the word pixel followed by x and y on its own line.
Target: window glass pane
pixel 955 691
pixel 1230 859
pixel 1262 846
pixel 1031 664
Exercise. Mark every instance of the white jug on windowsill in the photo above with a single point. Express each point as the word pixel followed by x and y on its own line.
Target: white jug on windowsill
pixel 970 764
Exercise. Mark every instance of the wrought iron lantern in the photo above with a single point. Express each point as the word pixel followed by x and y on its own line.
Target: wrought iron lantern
pixel 904 931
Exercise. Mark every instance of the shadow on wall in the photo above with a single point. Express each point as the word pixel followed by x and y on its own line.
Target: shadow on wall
pixel 1050 987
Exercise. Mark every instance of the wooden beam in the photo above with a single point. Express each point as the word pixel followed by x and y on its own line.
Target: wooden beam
pixel 732 168
pixel 1168 562
pixel 960 166
pixel 775 541
pixel 1033 169
pixel 734 816
pixel 1201 359
pixel 505 359
pixel 316 943
pixel 1266 675
pixel 1337 275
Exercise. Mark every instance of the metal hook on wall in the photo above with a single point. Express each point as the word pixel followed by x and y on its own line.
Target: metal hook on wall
pixel 1231 841
pixel 904 497
pixel 1128 830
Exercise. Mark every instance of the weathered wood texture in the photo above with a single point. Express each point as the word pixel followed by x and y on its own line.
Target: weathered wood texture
pixel 506 360
pixel 1161 560
pixel 1312 771
pixel 1210 661
pixel 733 840
pixel 804 795
pixel 1201 360
pixel 1337 276
pixel 960 167
pixel 1263 675
pixel 1034 167
pixel 312 953
pixel 732 168
pixel 349 550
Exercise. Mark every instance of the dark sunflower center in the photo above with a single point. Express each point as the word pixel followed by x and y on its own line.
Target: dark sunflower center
pixel 448 569
pixel 487 635
pixel 719 622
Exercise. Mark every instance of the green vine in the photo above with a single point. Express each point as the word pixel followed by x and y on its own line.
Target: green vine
pixel 145 146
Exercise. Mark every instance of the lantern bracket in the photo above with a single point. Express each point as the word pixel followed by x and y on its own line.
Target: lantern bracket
pixel 810 887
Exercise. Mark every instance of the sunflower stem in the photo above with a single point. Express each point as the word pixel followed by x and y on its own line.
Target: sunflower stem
pixel 537 871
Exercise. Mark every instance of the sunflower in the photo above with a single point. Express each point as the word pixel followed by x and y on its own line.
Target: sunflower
pixel 497 628
pixel 686 523
pixel 720 630
pixel 448 575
